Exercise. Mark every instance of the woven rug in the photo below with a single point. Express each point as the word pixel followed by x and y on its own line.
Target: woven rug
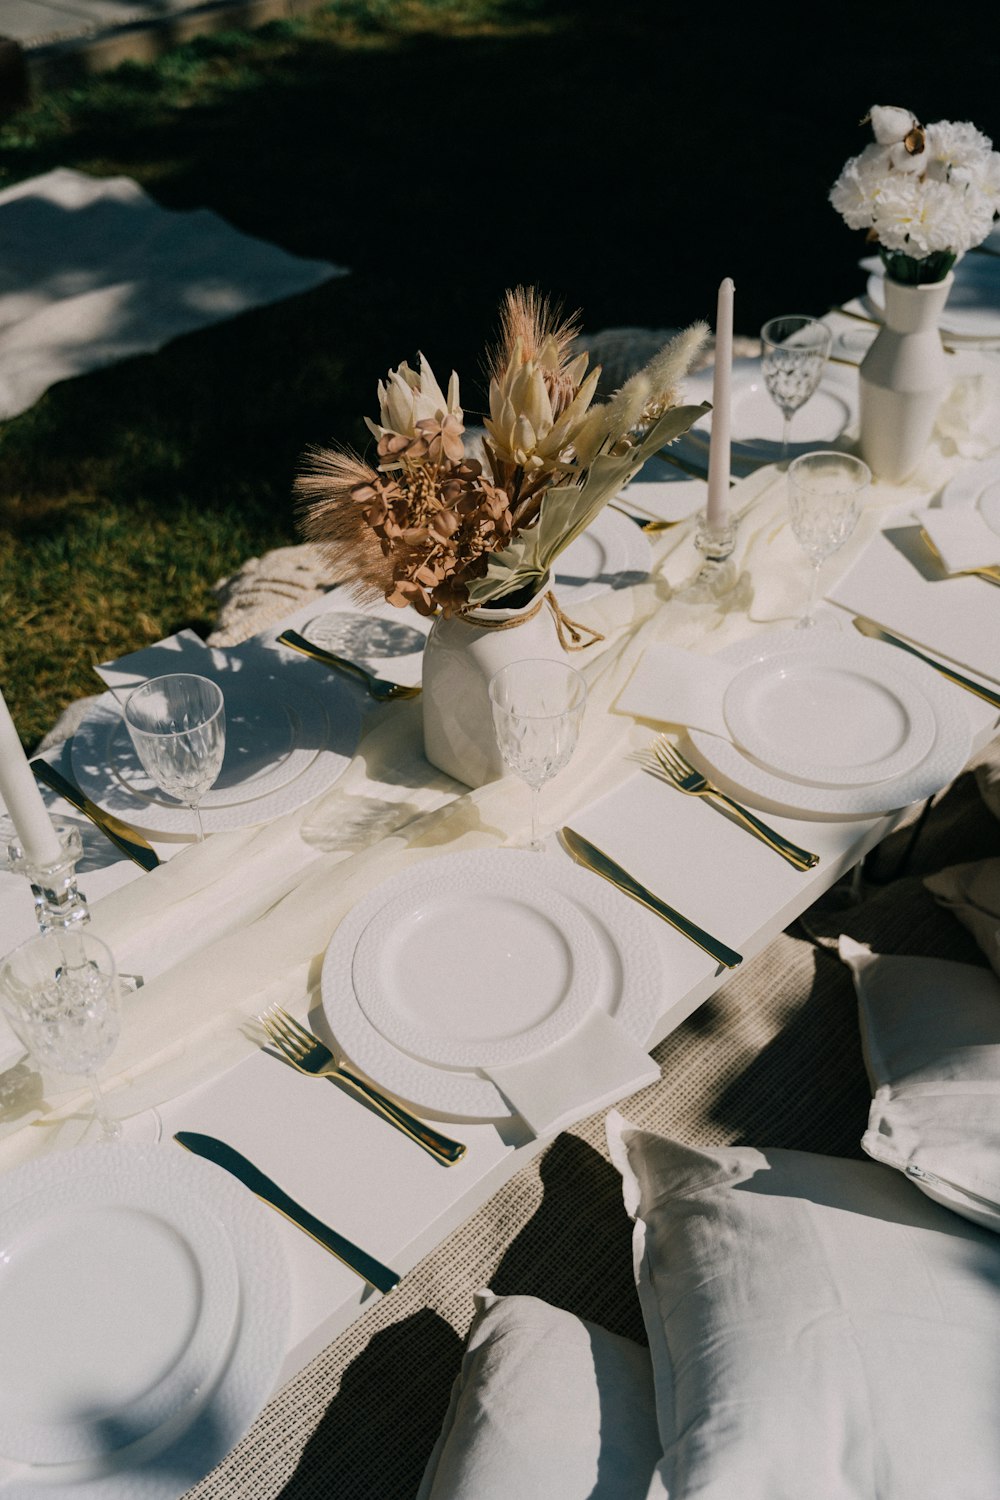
pixel 772 1059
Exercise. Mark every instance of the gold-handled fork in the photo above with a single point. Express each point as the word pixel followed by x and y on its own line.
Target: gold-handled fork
pixel 378 688
pixel 664 760
pixel 309 1055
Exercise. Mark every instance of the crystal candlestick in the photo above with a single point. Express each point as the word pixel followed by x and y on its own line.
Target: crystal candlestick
pixel 59 903
pixel 716 577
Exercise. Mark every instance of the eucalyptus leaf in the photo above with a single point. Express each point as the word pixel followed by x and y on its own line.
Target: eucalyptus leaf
pixel 567 510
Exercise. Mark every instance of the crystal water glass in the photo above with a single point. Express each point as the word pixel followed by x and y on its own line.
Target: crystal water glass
pixel 794 350
pixel 537 708
pixel 178 727
pixel 60 993
pixel 825 492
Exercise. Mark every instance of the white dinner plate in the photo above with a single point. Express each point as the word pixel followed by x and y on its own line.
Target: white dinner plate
pixel 387 641
pixel 826 713
pixel 177 1238
pixel 756 423
pixel 628 977
pixel 976 488
pixel 948 753
pixel 475 975
pixel 613 553
pixel 973 307
pixel 312 740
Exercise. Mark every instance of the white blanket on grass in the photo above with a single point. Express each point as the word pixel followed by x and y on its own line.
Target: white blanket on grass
pixel 93 271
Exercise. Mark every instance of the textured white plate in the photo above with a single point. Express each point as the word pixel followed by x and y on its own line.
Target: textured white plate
pixel 973 307
pixel 976 488
pixel 613 553
pixel 826 713
pixel 175 1456
pixel 474 972
pixel 312 741
pixel 86 1265
pixel 628 986
pixel 946 757
pixel 756 429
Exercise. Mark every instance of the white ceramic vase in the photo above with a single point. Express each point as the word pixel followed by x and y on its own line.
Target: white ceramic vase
pixel 903 379
pixel 461 655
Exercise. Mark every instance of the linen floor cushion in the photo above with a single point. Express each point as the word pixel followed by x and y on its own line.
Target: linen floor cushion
pixel 818 1331
pixel 930 1033
pixel 545 1407
pixel 972 892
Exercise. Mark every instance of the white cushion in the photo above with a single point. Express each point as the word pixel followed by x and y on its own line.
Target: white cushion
pixel 818 1331
pixel 546 1407
pixel 930 1029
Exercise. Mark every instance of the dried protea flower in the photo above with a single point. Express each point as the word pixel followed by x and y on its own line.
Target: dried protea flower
pixel 407 398
pixel 526 428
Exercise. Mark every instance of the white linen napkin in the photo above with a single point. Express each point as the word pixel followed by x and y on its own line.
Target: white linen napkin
pixel 93 271
pixel 595 1066
pixel 674 686
pixel 961 536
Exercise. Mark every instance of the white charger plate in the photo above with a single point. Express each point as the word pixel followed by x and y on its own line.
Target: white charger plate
pixel 948 754
pixel 613 553
pixel 475 976
pixel 312 741
pixel 84 1266
pixel 756 422
pixel 174 1187
pixel 628 981
pixel 826 713
pixel 973 307
pixel 976 488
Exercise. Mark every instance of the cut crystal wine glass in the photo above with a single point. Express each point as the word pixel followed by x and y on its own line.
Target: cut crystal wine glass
pixel 59 991
pixel 537 710
pixel 794 351
pixel 825 491
pixel 178 727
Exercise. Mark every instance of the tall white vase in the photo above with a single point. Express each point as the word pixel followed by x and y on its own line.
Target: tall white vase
pixel 903 379
pixel 461 655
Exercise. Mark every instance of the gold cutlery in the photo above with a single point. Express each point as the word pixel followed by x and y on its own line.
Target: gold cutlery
pixel 869 628
pixel 665 761
pixel 230 1160
pixel 309 1055
pixel 650 524
pixel 990 572
pixel 121 835
pixel 378 688
pixel 587 854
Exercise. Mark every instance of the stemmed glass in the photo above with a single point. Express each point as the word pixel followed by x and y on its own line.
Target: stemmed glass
pixel 794 350
pixel 825 490
pixel 59 992
pixel 178 727
pixel 537 710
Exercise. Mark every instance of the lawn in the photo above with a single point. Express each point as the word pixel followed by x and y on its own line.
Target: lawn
pixel 622 158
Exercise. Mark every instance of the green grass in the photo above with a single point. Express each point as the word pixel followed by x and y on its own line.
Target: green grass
pixel 623 158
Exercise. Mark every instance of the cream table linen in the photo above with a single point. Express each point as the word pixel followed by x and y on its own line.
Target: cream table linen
pixel 225 928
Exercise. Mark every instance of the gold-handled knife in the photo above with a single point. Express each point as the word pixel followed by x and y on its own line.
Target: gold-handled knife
pixel 587 854
pixel 378 687
pixel 876 632
pixel 121 835
pixel 230 1160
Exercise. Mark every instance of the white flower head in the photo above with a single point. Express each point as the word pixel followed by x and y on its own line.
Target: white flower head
pixel 890 124
pixel 408 396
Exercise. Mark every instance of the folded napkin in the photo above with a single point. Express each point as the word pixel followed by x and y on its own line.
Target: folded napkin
pixel 961 538
pixel 674 686
pixel 92 271
pixel 595 1066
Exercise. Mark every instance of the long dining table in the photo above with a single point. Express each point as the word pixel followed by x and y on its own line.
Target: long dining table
pixel 222 930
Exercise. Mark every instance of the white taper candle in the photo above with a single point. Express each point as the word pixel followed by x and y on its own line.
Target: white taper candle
pixel 22 798
pixel 718 453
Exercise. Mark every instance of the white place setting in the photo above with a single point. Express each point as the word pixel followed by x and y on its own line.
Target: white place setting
pixel 427 932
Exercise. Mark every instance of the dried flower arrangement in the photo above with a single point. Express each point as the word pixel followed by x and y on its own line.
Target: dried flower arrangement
pixel 432 525
pixel 925 194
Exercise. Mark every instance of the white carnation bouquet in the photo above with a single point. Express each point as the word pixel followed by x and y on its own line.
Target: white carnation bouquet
pixel 924 194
